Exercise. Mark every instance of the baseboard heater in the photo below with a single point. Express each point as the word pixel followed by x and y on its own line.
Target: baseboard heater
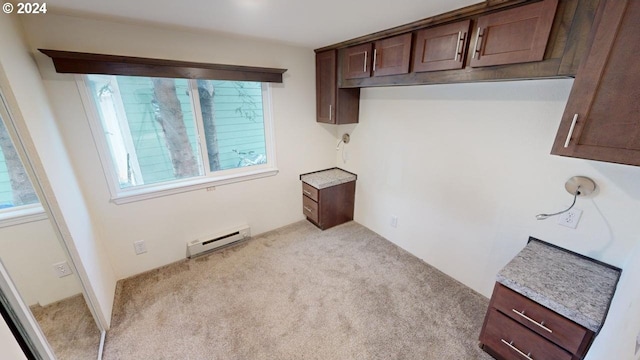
pixel 209 243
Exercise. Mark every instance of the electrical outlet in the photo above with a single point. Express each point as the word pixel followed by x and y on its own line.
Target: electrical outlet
pixel 140 247
pixel 62 269
pixel 394 221
pixel 570 218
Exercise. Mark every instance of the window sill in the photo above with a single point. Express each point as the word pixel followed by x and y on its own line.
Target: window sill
pixel 22 215
pixel 155 191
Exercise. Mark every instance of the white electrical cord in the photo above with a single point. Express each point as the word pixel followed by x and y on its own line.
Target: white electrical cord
pixel 546 216
pixel 344 159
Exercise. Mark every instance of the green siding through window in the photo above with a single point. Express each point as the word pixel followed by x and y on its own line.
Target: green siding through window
pixel 146 132
pixel 238 119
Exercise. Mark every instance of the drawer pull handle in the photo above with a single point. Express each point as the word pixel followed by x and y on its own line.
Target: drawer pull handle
pixel 476 47
pixel 510 344
pixel 455 57
pixel 365 61
pixel 570 134
pixel 540 324
pixel 306 192
pixel 307 209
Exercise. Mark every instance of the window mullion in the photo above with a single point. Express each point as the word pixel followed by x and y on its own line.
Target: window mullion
pixel 197 113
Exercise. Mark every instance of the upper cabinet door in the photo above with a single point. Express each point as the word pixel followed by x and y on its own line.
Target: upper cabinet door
pixel 441 47
pixel 392 56
pixel 326 86
pixel 356 61
pixel 514 36
pixel 602 118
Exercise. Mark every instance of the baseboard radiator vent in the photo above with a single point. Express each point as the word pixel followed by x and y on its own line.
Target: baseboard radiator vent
pixel 209 243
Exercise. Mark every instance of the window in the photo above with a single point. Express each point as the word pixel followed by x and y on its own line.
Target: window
pixel 18 200
pixel 165 135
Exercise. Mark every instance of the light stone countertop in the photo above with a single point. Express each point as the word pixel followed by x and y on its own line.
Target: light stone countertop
pixel 327 178
pixel 576 287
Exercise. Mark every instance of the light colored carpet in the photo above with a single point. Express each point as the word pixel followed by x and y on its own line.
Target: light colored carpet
pixel 298 293
pixel 69 328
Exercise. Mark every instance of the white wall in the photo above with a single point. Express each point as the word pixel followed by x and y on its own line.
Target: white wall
pixel 35 123
pixel 167 223
pixel 466 168
pixel 28 251
pixel 10 348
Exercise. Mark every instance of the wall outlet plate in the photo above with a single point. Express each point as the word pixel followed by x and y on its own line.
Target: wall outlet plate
pixel 394 221
pixel 140 247
pixel 570 218
pixel 62 269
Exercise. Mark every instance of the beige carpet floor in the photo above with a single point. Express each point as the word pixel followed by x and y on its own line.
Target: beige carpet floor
pixel 69 328
pixel 298 293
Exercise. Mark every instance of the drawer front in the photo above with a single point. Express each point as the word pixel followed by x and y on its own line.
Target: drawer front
pixel 310 209
pixel 310 191
pixel 510 340
pixel 538 318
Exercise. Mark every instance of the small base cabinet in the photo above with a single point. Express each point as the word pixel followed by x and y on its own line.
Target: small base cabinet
pixel 548 303
pixel 328 197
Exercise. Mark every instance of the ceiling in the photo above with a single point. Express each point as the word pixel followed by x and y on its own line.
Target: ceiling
pixel 301 22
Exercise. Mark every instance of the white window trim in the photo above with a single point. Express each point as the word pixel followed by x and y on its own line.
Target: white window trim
pixel 21 215
pixel 210 181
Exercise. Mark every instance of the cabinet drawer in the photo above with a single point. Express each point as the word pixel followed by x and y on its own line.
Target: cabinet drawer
pixel 510 340
pixel 538 318
pixel 310 209
pixel 310 191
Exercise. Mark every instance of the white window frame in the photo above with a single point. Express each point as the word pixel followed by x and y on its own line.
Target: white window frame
pixel 207 181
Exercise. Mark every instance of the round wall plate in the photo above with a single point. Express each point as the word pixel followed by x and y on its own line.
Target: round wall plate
pixel 582 184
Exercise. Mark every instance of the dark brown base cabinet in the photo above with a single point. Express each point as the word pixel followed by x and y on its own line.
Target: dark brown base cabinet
pixel 517 328
pixel 329 206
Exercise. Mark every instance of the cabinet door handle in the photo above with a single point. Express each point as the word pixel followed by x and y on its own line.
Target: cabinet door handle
pixel 330 111
pixel 365 61
pixel 510 344
pixel 573 125
pixel 476 47
pixel 306 192
pixel 540 324
pixel 375 59
pixel 455 57
pixel 307 209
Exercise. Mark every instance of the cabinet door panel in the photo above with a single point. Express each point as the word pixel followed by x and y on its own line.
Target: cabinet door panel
pixel 392 56
pixel 514 36
pixel 441 47
pixel 326 86
pixel 356 61
pixel 604 97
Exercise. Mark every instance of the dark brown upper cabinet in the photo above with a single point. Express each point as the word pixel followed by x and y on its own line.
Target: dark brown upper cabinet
pixel 333 105
pixel 356 61
pixel 512 36
pixel 441 47
pixel 389 56
pixel 601 120
pixel 392 56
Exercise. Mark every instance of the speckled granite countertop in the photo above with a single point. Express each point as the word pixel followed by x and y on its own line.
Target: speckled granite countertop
pixel 574 286
pixel 326 178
